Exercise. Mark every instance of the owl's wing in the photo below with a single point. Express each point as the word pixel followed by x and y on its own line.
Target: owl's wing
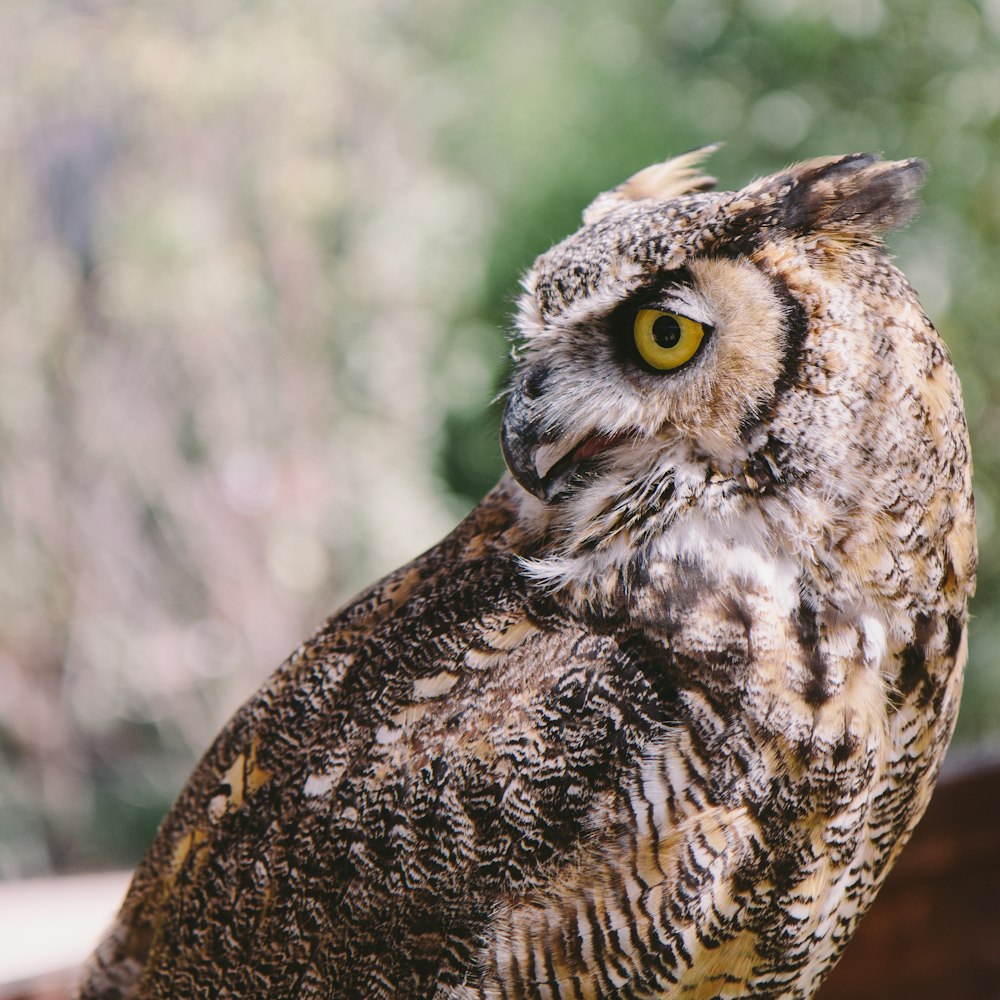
pixel 232 873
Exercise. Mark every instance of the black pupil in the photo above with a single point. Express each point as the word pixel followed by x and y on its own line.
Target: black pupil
pixel 666 331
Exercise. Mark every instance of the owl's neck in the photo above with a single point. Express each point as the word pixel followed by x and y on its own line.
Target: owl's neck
pixel 601 552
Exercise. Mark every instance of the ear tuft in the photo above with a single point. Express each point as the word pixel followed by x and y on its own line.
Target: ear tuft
pixel 858 195
pixel 659 182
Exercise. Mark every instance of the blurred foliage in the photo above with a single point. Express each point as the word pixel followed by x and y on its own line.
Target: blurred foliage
pixel 258 260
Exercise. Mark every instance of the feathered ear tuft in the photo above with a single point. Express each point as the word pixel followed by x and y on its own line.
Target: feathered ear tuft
pixel 858 195
pixel 659 182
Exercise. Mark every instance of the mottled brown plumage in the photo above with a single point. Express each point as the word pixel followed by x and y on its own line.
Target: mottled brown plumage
pixel 657 718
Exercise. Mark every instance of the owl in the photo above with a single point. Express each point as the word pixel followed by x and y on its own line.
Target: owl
pixel 658 717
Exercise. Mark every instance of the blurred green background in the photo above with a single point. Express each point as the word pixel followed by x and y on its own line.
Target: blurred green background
pixel 257 262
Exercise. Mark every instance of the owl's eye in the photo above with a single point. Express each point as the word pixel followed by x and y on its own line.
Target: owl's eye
pixel 666 340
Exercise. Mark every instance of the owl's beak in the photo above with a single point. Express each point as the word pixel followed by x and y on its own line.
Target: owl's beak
pixel 520 439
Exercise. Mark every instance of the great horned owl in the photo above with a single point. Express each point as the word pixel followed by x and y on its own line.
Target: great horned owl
pixel 656 719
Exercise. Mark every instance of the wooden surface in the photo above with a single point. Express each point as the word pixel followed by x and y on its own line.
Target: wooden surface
pixel 934 931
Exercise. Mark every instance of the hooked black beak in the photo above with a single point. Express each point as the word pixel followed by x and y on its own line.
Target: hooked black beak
pixel 519 436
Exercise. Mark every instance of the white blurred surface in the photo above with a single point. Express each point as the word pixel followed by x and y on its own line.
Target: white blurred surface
pixel 49 926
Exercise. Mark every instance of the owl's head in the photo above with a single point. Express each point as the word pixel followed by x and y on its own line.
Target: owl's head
pixel 749 359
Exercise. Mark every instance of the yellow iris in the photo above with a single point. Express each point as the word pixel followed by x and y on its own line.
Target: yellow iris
pixel 666 340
